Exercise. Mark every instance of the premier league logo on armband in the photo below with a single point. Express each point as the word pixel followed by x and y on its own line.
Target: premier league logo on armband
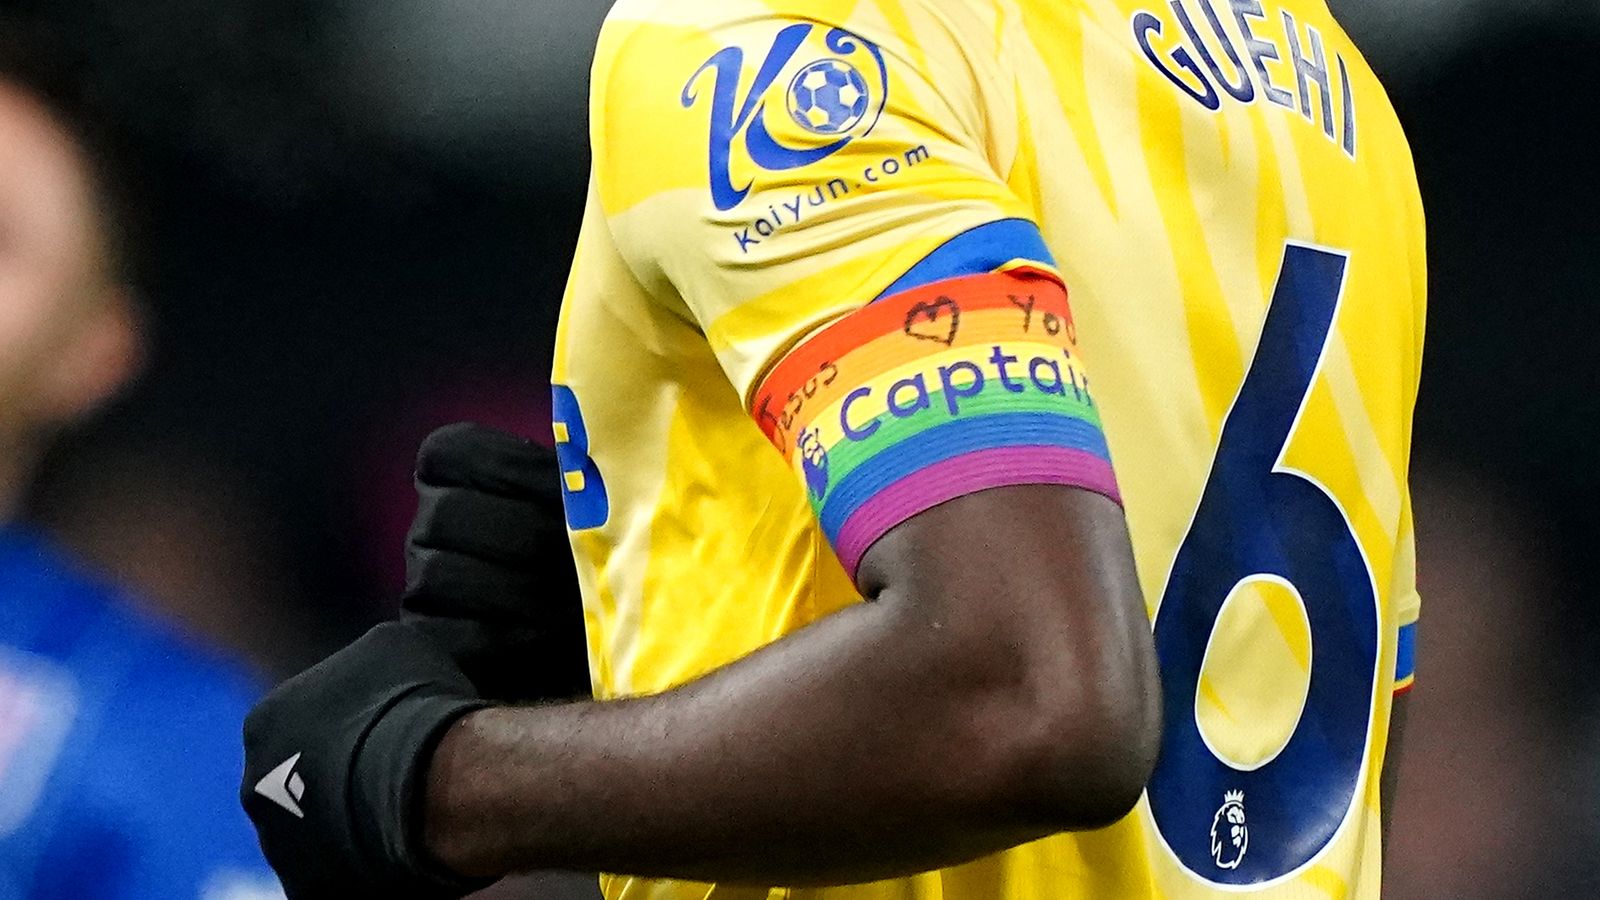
pixel 1230 836
pixel 814 89
pixel 814 460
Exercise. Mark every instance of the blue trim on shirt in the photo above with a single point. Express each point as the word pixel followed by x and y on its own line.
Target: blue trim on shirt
pixel 1405 658
pixel 976 251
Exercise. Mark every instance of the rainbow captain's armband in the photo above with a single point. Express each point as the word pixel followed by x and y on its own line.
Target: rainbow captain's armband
pixel 933 393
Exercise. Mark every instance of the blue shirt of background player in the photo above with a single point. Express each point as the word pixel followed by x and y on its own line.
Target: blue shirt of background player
pixel 119 746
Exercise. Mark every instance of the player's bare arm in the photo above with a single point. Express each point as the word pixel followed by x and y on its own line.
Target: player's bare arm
pixel 859 226
pixel 1001 686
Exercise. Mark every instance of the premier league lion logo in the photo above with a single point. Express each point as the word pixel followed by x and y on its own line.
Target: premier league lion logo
pixel 814 460
pixel 1230 836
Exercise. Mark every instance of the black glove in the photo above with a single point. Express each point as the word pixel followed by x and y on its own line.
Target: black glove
pixel 489 571
pixel 335 762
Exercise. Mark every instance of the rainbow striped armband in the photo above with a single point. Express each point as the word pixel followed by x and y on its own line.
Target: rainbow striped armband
pixel 933 393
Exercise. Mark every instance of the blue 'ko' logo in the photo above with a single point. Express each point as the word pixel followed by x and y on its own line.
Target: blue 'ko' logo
pixel 829 97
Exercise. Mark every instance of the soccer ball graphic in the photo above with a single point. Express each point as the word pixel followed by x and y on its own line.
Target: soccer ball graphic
pixel 828 97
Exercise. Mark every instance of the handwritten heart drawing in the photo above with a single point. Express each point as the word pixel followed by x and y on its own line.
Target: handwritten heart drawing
pixel 937 321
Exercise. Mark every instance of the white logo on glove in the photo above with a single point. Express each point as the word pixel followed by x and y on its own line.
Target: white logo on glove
pixel 284 786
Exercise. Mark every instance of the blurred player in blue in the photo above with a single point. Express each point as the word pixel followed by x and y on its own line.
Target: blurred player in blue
pixel 118 735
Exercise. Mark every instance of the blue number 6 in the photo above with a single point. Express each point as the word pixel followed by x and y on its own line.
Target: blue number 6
pixel 1257 517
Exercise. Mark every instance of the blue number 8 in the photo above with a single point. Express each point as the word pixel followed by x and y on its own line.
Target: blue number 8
pixel 582 488
pixel 1258 518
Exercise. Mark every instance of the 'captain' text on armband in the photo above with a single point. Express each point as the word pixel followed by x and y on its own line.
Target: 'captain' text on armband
pixel 941 390
pixel 1044 374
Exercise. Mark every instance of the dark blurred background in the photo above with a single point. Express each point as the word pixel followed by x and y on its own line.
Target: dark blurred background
pixel 359 221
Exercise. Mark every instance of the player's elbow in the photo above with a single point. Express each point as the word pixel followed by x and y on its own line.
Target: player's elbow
pixel 1086 739
pixel 1094 753
pixel 1046 664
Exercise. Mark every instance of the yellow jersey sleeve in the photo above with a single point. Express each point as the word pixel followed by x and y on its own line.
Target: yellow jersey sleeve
pixel 824 197
pixel 766 173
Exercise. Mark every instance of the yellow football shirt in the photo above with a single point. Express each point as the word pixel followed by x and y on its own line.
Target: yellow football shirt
pixel 845 260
